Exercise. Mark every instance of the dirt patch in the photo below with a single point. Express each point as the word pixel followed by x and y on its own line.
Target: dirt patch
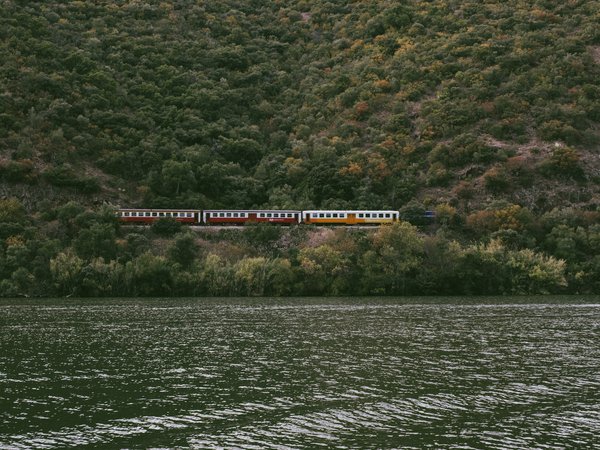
pixel 319 237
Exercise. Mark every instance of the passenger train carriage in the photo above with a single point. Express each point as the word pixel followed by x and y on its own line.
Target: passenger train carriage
pixel 190 216
pixel 225 216
pixel 342 217
pixel 241 217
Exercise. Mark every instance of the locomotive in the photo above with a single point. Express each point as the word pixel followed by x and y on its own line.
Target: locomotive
pixel 244 216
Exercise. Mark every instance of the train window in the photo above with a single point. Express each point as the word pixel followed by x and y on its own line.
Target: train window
pixel 235 214
pixel 360 215
pixel 381 215
pixel 228 214
pixel 268 214
pixel 321 215
pixel 334 215
pixel 314 215
pixel 276 215
pixel 387 215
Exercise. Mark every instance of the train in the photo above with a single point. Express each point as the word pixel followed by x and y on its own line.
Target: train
pixel 245 216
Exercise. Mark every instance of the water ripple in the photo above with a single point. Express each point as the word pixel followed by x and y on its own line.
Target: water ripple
pixel 286 375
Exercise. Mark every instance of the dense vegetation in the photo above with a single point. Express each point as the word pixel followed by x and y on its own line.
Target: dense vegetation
pixel 486 112
pixel 73 251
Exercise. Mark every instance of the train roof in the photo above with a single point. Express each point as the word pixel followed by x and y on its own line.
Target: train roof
pixel 350 211
pixel 255 210
pixel 158 209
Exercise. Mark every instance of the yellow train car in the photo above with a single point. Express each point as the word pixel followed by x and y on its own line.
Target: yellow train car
pixel 341 217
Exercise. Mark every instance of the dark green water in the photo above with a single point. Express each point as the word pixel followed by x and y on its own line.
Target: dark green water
pixel 435 373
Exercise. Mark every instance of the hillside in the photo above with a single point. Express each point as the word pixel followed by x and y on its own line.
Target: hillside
pixel 486 112
pixel 303 104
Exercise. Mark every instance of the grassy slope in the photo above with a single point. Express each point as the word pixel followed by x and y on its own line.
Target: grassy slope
pixel 301 104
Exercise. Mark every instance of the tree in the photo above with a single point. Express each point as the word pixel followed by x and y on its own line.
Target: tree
pixel 96 241
pixel 397 250
pixel 325 270
pixel 176 177
pixel 66 271
pixel 251 276
pixel 12 211
pixel 280 277
pixel 184 250
pixel 148 275
pixel 217 276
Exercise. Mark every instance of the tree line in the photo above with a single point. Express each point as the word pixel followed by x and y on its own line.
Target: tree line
pixel 72 251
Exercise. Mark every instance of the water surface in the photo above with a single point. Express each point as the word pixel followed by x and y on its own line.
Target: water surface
pixel 297 373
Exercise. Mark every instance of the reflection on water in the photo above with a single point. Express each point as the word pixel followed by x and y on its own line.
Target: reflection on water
pixel 298 374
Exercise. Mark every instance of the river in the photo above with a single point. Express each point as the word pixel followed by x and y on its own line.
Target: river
pixel 498 373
